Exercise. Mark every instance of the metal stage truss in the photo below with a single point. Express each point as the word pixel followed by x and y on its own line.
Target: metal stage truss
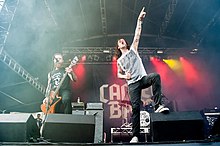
pixel 7 12
pixel 105 54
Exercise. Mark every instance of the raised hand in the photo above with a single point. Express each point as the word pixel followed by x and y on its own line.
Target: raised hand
pixel 46 100
pixel 142 14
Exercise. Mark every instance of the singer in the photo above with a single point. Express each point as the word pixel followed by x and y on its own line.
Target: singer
pixel 131 68
pixel 65 90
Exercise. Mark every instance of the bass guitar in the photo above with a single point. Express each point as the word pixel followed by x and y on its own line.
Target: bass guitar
pixel 53 98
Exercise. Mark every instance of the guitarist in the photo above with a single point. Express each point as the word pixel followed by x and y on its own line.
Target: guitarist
pixel 54 78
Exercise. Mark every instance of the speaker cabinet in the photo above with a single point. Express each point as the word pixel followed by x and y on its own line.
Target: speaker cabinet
pixel 17 127
pixel 177 126
pixel 69 128
pixel 216 127
pixel 96 109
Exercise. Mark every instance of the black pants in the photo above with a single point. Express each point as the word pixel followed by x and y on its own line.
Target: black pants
pixel 135 97
pixel 64 106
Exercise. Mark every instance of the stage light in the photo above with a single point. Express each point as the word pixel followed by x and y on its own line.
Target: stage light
pixel 83 58
pixel 190 72
pixel 164 71
pixel 114 68
pixel 80 71
pixel 96 58
pixel 181 58
pixel 106 51
pixel 90 58
pixel 159 51
pixel 114 58
pixel 152 58
pixel 194 51
pixel 175 65
pixel 108 58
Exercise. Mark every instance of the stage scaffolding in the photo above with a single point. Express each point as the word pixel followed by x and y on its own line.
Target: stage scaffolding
pixel 7 12
pixel 105 54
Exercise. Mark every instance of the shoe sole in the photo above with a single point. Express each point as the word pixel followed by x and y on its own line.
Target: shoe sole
pixel 134 140
pixel 164 110
pixel 158 109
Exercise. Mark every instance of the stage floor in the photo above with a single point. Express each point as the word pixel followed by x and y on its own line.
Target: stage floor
pixel 187 143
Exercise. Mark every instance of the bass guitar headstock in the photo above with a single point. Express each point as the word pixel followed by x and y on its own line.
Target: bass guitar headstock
pixel 74 61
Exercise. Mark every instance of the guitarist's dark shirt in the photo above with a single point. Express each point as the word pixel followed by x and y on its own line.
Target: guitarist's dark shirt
pixel 56 76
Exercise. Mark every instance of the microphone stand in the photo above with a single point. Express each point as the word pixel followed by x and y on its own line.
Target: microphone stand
pixel 3 111
pixel 46 114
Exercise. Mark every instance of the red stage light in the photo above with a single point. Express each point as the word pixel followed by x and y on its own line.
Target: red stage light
pixel 79 70
pixel 83 58
pixel 114 65
pixel 191 73
pixel 181 58
pixel 114 58
pixel 152 58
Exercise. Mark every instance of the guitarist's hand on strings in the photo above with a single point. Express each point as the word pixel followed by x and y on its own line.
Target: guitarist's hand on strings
pixel 45 100
pixel 68 69
pixel 71 74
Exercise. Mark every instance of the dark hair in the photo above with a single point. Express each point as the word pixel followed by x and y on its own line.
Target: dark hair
pixel 118 51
